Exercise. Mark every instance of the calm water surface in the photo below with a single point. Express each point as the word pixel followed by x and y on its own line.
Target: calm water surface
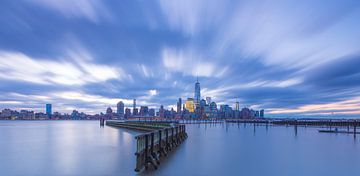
pixel 84 148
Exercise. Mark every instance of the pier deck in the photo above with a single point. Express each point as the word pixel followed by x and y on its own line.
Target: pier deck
pixel 160 139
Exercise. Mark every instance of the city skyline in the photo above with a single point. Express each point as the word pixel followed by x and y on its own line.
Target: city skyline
pixel 292 59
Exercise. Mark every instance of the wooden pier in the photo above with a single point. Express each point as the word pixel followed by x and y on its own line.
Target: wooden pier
pixel 329 123
pixel 160 139
pixel 301 122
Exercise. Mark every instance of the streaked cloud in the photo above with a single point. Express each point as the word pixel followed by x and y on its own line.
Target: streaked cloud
pixel 285 56
pixel 92 10
pixel 70 71
pixel 189 63
pixel 342 107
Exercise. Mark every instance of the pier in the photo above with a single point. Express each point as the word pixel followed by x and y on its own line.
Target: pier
pixel 301 122
pixel 329 123
pixel 160 138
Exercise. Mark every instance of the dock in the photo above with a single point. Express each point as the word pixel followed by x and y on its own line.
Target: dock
pixel 160 138
pixel 337 131
pixel 329 123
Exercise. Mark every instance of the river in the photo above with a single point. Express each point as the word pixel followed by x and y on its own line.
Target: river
pixel 84 148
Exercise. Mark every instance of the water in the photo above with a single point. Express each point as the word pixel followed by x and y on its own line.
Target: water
pixel 83 148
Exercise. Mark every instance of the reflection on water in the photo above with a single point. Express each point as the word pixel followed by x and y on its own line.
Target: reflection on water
pixel 85 148
pixel 64 148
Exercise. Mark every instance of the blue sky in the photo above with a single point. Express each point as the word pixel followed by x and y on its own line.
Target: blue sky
pixel 288 57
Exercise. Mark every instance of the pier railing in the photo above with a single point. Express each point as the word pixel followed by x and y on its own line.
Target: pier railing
pixel 155 144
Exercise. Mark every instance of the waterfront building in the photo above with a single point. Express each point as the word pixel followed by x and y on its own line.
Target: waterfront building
pixel 48 110
pixel 152 112
pixel 197 95
pixel 109 113
pixel 161 112
pixel 127 113
pixel 207 110
pixel 237 106
pixel 134 105
pixel 245 113
pixel 189 105
pixel 178 106
pixel 135 112
pixel 252 113
pixel 202 108
pixel 172 113
pixel 236 114
pixel 75 115
pixel 262 113
pixel 144 111
pixel 208 100
pixel 120 109
pixel 202 103
pixel 213 110
pixel 257 114
pixel 226 111
pixel 109 110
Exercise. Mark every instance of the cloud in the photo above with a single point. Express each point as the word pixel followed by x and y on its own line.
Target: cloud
pixel 152 92
pixel 342 73
pixel 342 107
pixel 280 55
pixel 92 10
pixel 71 71
pixel 192 16
pixel 189 63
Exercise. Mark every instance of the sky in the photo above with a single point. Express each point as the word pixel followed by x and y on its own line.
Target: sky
pixel 291 58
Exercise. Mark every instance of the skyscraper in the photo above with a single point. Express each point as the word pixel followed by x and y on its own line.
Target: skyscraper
pixel 178 110
pixel 237 106
pixel 134 105
pixel 48 110
pixel 120 109
pixel 262 113
pixel 197 95
pixel 127 113
pixel 161 112
pixel 144 111
pixel 208 100
pixel 189 105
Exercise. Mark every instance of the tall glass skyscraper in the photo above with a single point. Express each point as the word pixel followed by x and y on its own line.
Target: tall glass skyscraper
pixel 120 108
pixel 48 110
pixel 197 95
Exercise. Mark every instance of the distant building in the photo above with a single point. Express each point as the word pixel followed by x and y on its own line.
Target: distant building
pixel 161 112
pixel 144 111
pixel 208 100
pixel 237 106
pixel 245 113
pixel 109 110
pixel 257 114
pixel 262 113
pixel 178 106
pixel 152 112
pixel 135 112
pixel 202 103
pixel 75 115
pixel 134 105
pixel 48 110
pixel 226 111
pixel 197 94
pixel 213 110
pixel 127 113
pixel 189 105
pixel 120 109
